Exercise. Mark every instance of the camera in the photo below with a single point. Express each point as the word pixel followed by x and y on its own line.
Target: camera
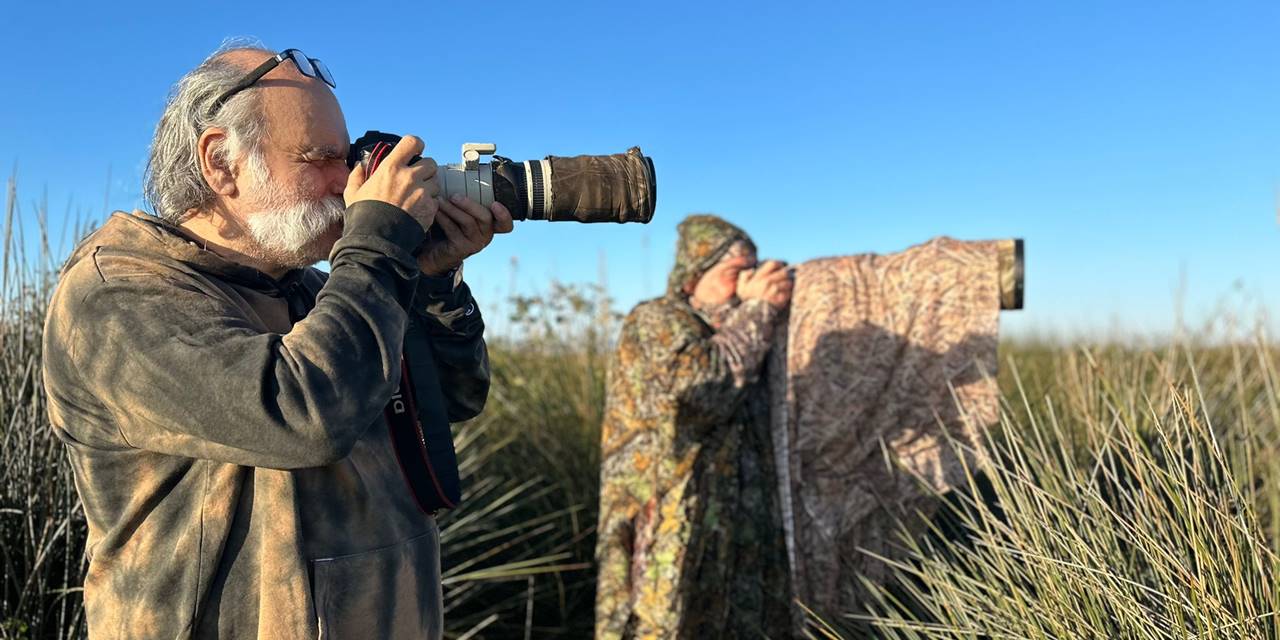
pixel 615 188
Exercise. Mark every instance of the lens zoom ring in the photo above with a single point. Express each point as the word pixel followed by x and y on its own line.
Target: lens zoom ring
pixel 537 192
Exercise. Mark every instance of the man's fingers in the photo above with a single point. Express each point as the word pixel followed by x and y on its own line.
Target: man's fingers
pixel 408 147
pixel 777 275
pixel 477 211
pixel 451 231
pixel 501 218
pixel 424 169
pixel 422 207
pixel 779 292
pixel 771 266
pixel 769 274
pixel 462 220
pixel 423 174
pixel 355 180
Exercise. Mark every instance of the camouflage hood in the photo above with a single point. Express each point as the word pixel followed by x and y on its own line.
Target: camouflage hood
pixel 704 239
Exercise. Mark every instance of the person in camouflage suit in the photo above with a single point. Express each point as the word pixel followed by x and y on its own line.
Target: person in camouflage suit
pixel 690 537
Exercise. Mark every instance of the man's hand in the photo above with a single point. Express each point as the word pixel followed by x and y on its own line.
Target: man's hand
pixel 411 188
pixel 468 227
pixel 770 282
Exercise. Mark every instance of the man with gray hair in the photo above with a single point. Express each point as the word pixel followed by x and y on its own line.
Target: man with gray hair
pixel 260 447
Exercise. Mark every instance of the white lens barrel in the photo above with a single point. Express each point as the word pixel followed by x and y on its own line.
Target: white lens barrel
pixel 476 184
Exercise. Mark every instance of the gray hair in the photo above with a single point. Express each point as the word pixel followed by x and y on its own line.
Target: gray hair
pixel 174 184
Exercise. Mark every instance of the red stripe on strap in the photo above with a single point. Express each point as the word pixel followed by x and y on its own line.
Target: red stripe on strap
pixel 422 437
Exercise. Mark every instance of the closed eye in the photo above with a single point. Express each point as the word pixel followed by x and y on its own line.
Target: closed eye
pixel 324 154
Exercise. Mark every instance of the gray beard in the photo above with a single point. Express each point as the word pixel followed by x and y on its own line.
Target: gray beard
pixel 288 234
pixel 286 227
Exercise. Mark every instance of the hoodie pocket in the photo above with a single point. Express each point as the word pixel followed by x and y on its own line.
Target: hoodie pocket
pixel 392 592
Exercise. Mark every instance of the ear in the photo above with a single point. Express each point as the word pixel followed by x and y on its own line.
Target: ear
pixel 215 166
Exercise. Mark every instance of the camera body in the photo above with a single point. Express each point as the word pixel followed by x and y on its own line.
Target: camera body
pixel 614 188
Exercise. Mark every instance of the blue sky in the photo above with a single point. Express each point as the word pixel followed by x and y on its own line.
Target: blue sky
pixel 1133 145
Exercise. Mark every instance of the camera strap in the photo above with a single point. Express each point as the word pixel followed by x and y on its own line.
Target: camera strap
pixel 433 489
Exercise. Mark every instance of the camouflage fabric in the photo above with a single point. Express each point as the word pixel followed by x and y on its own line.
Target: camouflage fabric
pixel 614 188
pixel 870 357
pixel 690 539
pixel 227 437
pixel 704 239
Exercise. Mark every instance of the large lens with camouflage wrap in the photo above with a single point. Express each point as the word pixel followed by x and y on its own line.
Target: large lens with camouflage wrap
pixel 615 188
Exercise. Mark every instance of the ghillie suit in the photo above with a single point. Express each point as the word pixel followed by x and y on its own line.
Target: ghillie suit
pixel 883 368
pixel 690 537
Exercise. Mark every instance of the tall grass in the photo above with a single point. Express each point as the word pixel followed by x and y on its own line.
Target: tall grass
pixel 1132 495
pixel 42 530
pixel 537 440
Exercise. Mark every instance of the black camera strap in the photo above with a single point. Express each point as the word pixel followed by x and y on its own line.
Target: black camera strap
pixel 413 450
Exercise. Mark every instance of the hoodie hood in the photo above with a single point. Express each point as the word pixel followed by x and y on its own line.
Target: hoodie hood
pixel 704 239
pixel 144 235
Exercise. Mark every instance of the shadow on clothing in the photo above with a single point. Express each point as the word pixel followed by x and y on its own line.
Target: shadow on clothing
pixel 888 389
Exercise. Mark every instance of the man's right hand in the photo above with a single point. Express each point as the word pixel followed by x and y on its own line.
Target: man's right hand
pixel 770 282
pixel 411 188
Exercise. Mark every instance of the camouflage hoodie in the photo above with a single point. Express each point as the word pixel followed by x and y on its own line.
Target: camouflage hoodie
pixel 690 541
pixel 227 437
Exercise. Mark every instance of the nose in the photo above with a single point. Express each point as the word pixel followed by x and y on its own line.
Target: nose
pixel 337 178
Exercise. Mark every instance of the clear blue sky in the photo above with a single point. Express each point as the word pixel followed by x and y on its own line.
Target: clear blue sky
pixel 1135 146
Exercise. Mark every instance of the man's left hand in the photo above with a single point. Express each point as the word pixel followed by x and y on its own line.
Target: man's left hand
pixel 468 227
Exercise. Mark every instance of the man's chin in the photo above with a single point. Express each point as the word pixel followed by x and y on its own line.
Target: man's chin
pixel 320 248
pixel 324 244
